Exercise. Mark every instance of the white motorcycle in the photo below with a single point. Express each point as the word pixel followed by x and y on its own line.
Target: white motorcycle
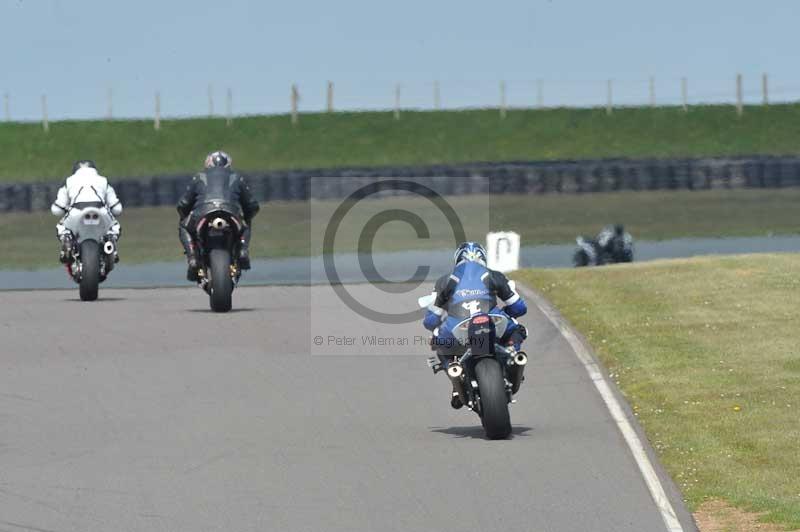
pixel 92 253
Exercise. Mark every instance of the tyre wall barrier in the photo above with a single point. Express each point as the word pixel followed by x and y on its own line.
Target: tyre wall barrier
pixel 515 177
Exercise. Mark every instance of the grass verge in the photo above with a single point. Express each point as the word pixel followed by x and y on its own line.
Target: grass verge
pixel 284 229
pixel 134 148
pixel 705 350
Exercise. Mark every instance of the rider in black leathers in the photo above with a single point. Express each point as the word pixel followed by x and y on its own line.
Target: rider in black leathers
pixel 615 244
pixel 217 183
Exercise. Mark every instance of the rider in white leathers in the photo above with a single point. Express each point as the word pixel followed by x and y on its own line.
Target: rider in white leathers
pixel 85 185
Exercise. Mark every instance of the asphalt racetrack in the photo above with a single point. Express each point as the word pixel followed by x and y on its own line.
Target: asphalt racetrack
pixel 144 411
pixel 394 266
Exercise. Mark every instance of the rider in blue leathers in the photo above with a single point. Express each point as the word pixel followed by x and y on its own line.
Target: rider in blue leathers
pixel 470 289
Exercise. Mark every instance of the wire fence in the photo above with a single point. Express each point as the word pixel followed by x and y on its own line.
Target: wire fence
pixel 375 95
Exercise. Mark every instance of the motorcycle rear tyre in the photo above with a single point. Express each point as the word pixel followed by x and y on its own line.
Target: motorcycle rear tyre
pixel 494 399
pixel 90 270
pixel 221 285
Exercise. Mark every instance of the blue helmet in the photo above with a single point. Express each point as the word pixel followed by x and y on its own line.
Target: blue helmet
pixel 471 251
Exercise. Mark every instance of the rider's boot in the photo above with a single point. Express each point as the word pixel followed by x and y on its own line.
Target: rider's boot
pixel 244 249
pixel 192 268
pixel 192 265
pixel 65 253
pixel 244 258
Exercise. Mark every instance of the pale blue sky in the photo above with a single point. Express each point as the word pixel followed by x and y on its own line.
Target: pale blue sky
pixel 73 50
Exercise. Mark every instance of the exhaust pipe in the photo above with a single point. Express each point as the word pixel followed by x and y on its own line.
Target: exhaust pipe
pixel 456 374
pixel 516 369
pixel 108 247
pixel 219 223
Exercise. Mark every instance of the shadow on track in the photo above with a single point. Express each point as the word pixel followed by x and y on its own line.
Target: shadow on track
pixel 99 300
pixel 231 311
pixel 476 431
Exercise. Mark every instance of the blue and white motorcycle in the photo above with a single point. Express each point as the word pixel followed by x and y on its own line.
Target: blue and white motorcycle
pixel 485 374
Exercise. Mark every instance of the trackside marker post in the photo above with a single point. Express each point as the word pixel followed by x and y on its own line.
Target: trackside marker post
pixel 539 93
pixel 45 121
pixel 157 120
pixel 295 97
pixel 685 94
pixel 503 251
pixel 739 106
pixel 652 91
pixel 503 99
pixel 397 102
pixel 229 108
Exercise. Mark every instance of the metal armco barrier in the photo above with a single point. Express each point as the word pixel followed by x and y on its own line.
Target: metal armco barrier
pixel 516 177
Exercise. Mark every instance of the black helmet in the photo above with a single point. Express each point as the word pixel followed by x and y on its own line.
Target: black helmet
pixel 83 163
pixel 218 159
pixel 619 229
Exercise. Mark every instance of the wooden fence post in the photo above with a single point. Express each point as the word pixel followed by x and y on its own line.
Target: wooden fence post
pixel 329 105
pixel 229 108
pixel 45 121
pixel 685 94
pixel 437 97
pixel 765 87
pixel 295 97
pixel 157 120
pixel 502 99
pixel 609 99
pixel 397 101
pixel 539 93
pixel 210 100
pixel 652 91
pixel 739 106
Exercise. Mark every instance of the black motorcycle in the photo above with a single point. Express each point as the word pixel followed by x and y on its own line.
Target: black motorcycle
pixel 218 236
pixel 590 253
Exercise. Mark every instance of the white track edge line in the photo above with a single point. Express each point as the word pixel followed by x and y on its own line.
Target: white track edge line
pixel 654 485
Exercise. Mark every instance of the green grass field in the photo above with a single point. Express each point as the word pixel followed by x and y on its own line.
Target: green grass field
pixel 286 228
pixel 705 350
pixel 133 148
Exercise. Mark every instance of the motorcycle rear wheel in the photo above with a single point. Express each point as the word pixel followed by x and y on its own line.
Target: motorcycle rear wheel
pixel 90 270
pixel 494 399
pixel 580 259
pixel 221 284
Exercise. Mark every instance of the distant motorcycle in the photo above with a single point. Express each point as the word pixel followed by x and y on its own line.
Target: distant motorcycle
pixel 218 234
pixel 93 253
pixel 590 253
pixel 487 374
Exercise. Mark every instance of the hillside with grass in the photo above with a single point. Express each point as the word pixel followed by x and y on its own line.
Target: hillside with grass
pixel 258 143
